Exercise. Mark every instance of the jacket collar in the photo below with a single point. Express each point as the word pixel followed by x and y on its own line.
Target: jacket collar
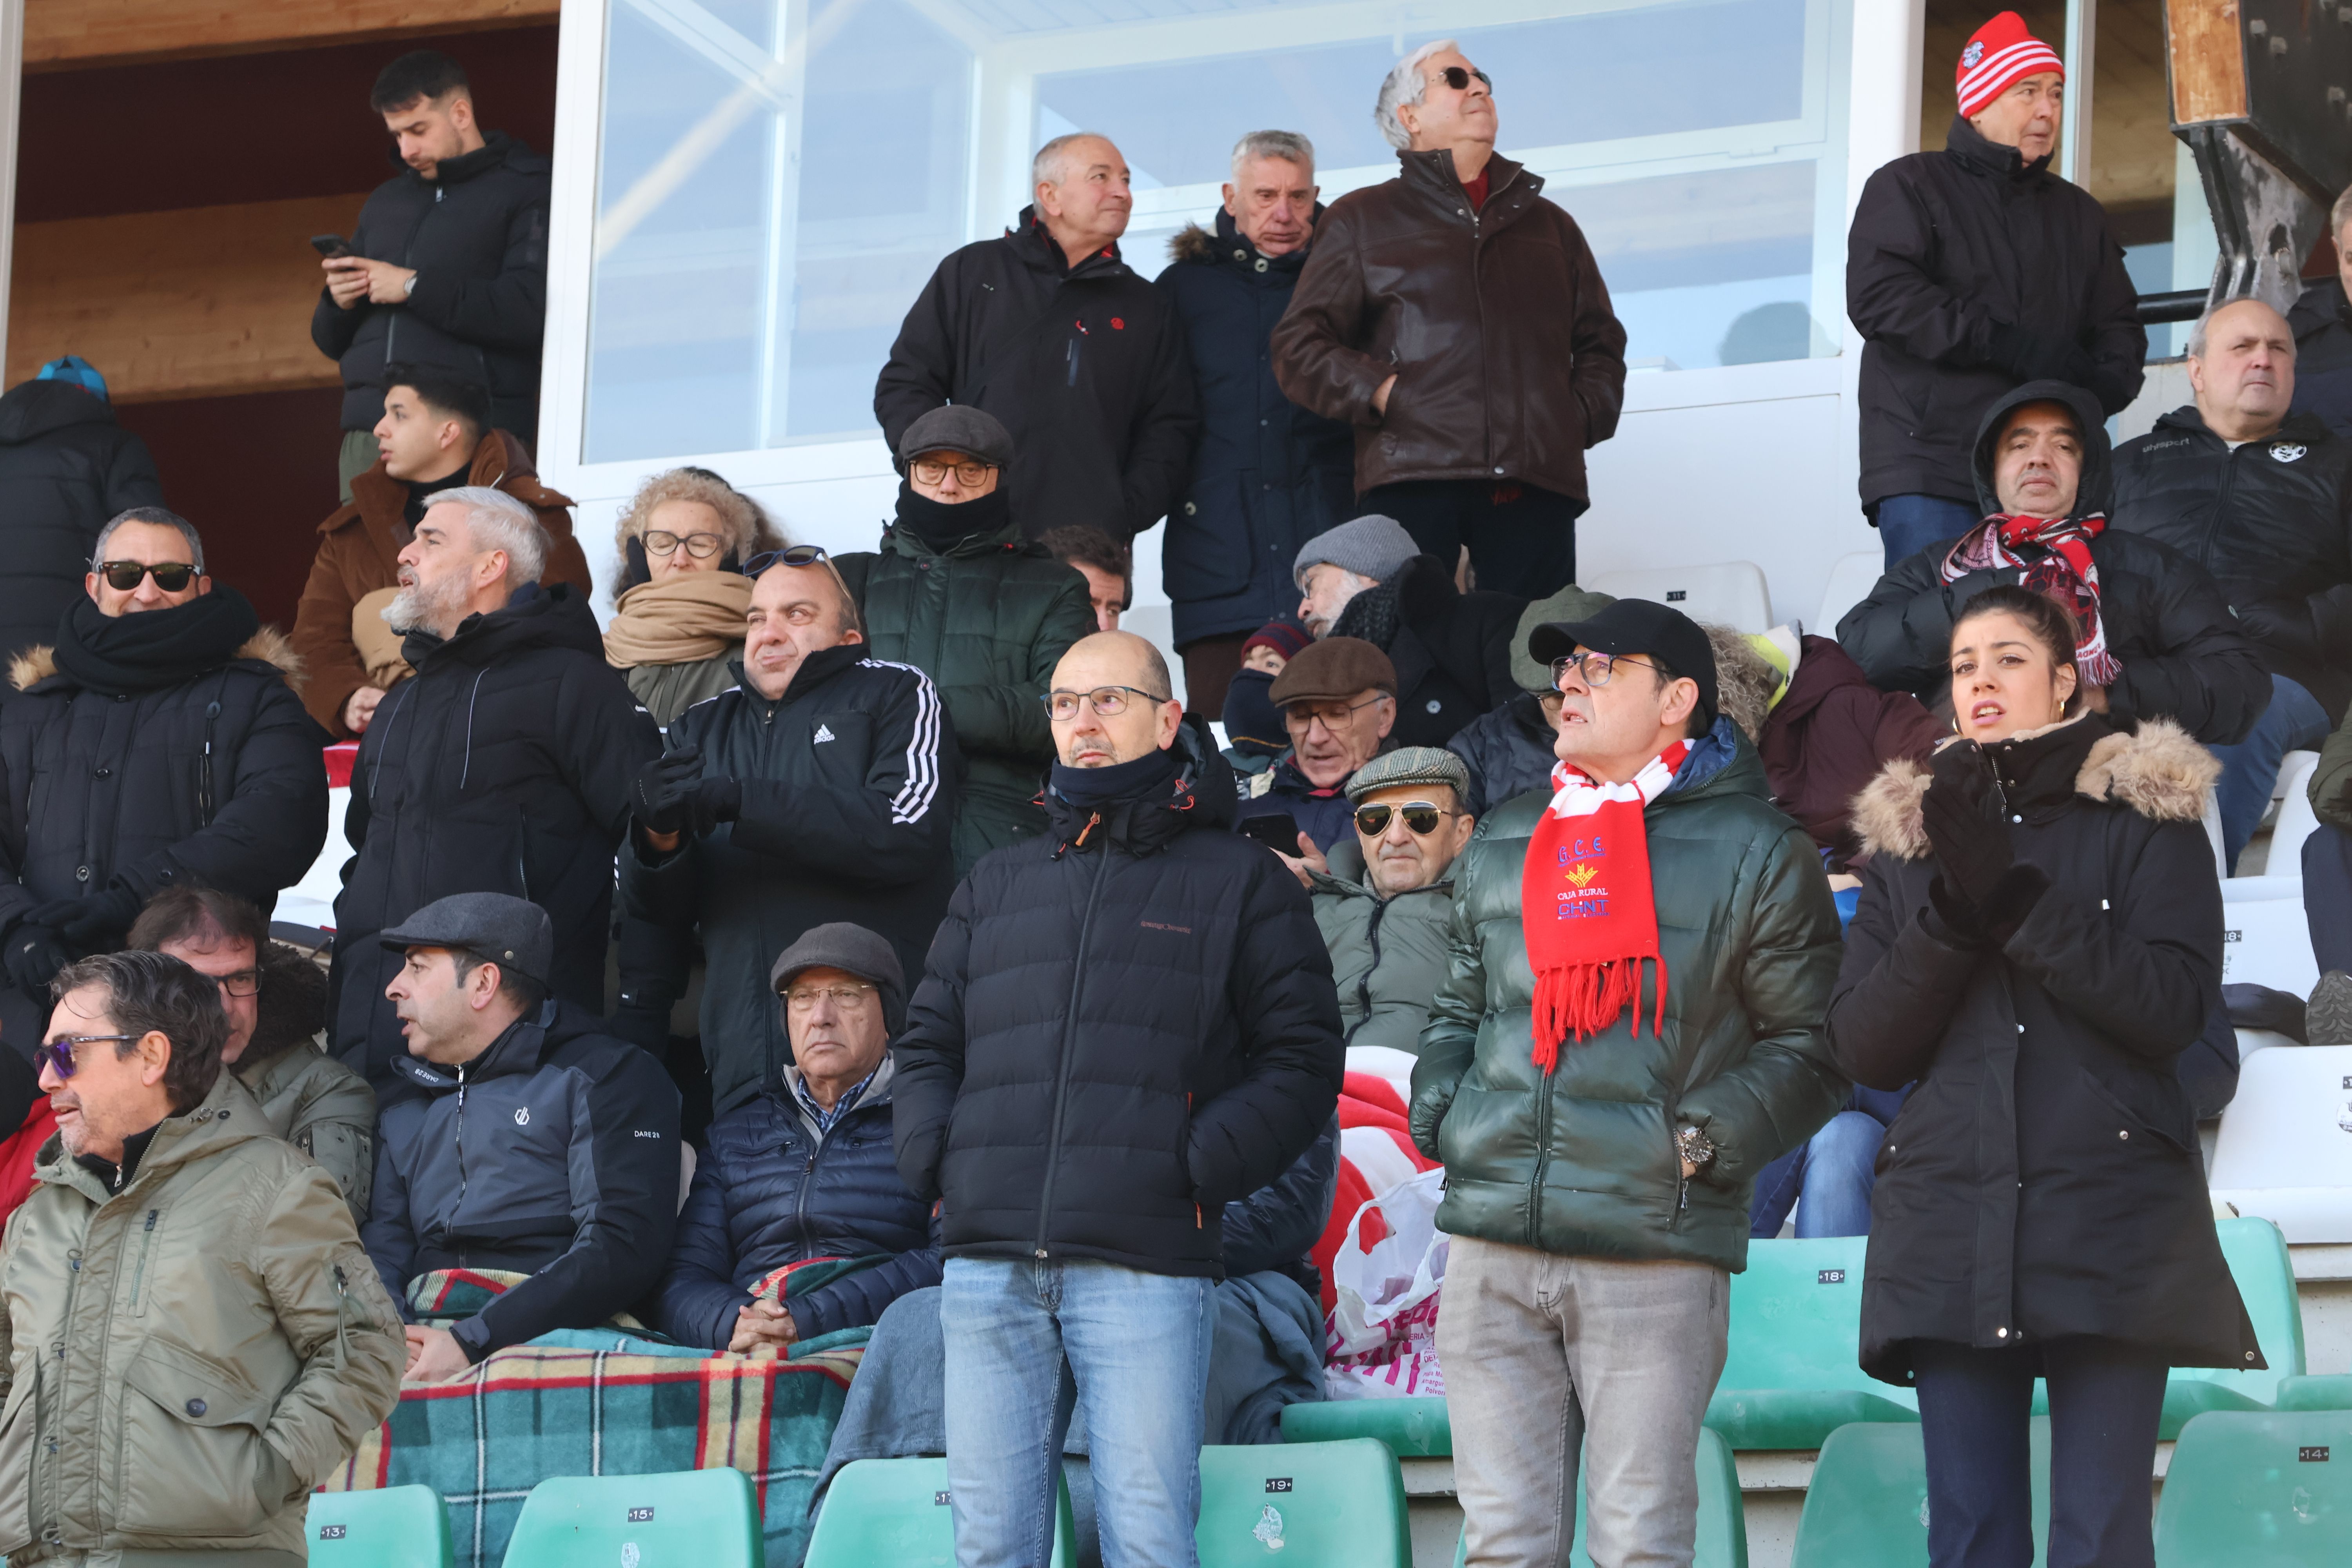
pixel 1430 173
pixel 1201 800
pixel 876 1095
pixel 539 615
pixel 517 1048
pixel 1006 541
pixel 1224 246
pixel 1037 246
pixel 2302 427
pixel 1968 146
pixel 495 145
pixel 227 1115
pixel 814 671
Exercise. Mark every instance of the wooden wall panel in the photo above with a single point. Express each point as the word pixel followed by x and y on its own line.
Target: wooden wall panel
pixel 2209 60
pixel 201 302
pixel 63 34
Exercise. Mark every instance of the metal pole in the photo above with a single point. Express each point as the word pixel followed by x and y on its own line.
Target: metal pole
pixel 2074 135
pixel 12 78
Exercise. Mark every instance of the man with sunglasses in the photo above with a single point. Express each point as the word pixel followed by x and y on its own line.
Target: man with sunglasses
pixel 1124 1025
pixel 822 788
pixel 158 744
pixel 1458 321
pixel 1338 703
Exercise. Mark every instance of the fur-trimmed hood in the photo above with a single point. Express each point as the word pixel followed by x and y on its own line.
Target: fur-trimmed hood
pixel 2158 771
pixel 268 645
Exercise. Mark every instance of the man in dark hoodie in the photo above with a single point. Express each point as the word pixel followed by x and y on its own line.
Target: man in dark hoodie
pixel 66 467
pixel 2158 637
pixel 2322 320
pixel 503 765
pixel 1050 331
pixel 448 268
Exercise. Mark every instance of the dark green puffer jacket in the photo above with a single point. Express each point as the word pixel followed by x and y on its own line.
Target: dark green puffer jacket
pixel 987 621
pixel 1583 1164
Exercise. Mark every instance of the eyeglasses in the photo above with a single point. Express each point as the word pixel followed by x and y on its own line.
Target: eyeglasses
pixel 800 998
pixel 1107 701
pixel 1598 668
pixel 1420 816
pixel 1457 78
pixel 123 576
pixel 790 555
pixel 59 1053
pixel 1300 718
pixel 931 472
pixel 701 546
pixel 244 983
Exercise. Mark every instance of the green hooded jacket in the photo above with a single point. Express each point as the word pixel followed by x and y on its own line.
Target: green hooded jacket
pixel 186 1357
pixel 2331 783
pixel 987 620
pixel 1388 956
pixel 1584 1163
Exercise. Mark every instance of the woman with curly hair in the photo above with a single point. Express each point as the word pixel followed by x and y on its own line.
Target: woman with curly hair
pixel 680 595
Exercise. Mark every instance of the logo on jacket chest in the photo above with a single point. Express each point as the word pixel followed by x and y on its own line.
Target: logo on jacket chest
pixel 2288 451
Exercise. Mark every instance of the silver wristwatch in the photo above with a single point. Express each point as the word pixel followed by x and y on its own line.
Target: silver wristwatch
pixel 410 287
pixel 1694 1145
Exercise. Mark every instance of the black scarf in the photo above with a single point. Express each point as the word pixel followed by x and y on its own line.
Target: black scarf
pixel 150 649
pixel 422 491
pixel 943 526
pixel 1090 789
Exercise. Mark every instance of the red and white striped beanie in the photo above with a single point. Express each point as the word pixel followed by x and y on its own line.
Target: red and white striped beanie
pixel 2001 54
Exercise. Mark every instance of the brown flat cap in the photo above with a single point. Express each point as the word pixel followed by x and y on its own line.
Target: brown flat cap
pixel 1334 670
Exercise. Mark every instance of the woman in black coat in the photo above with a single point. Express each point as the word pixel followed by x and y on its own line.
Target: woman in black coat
pixel 2039 937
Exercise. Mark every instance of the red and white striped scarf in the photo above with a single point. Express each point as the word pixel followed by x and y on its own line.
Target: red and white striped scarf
pixel 2066 574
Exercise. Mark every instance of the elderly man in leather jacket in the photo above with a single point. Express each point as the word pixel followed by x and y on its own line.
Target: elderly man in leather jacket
pixel 1471 413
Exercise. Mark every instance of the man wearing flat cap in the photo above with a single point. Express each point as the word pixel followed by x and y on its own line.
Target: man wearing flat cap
pixel 525 1145
pixel 1338 703
pixel 803 1172
pixel 955 589
pixel 1630 1030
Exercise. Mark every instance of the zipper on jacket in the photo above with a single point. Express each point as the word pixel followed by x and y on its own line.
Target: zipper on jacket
pixel 1069 1019
pixel 1364 982
pixel 1073 357
pixel 343 1318
pixel 2220 504
pixel 146 1245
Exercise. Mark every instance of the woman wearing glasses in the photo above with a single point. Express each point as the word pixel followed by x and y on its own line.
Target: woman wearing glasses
pixel 680 596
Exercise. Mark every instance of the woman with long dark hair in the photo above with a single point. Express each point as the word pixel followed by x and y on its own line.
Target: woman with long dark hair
pixel 2039 936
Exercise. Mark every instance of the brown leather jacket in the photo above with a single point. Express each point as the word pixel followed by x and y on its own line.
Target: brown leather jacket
pixel 1496 325
pixel 359 552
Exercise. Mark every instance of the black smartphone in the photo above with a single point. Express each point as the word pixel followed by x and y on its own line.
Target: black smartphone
pixel 330 245
pixel 1276 830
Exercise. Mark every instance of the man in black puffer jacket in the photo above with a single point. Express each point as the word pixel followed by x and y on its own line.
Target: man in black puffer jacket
pixel 1123 1026
pixel 2182 655
pixel 159 743
pixel 503 766
pixel 66 467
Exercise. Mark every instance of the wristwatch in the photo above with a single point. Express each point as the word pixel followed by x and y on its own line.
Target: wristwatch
pixel 1694 1145
pixel 410 287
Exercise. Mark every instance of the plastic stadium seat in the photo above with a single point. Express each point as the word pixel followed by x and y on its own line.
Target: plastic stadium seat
pixel 2258 1262
pixel 1722 1521
pixel 1726 593
pixel 688 1519
pixel 1866 1506
pixel 1415 1427
pixel 1306 1505
pixel 2281 1152
pixel 391 1527
pixel 2296 820
pixel 1851 581
pixel 895 1514
pixel 1790 1375
pixel 2327 1391
pixel 2267 1490
pixel 2265 940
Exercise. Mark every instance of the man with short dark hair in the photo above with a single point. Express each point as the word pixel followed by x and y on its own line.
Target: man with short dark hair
pixel 822 788
pixel 1339 704
pixel 434 435
pixel 1108 566
pixel 184 1290
pixel 568 1200
pixel 449 259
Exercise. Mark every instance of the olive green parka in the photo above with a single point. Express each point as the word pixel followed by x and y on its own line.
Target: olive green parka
pixel 185 1357
pixel 1584 1163
pixel 309 1099
pixel 1388 956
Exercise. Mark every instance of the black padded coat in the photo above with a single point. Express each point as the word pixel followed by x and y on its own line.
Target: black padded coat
pixel 66 467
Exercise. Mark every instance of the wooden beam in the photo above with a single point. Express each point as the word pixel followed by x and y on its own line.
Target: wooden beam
pixel 201 302
pixel 68 34
pixel 2208 60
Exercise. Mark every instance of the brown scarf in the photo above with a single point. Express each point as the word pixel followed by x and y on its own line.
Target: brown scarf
pixel 679 620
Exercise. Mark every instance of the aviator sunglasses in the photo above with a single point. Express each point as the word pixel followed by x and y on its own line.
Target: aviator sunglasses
pixel 1457 78
pixel 122 576
pixel 790 555
pixel 1421 817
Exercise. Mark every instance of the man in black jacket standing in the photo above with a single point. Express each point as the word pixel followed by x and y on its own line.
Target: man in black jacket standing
pixel 2322 320
pixel 823 787
pixel 66 467
pixel 1969 271
pixel 1124 1025
pixel 504 765
pixel 448 268
pixel 1048 330
pixel 2262 499
pixel 1269 475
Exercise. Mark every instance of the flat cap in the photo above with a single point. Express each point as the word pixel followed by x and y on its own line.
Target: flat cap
pixel 1570 603
pixel 513 934
pixel 959 427
pixel 1411 765
pixel 1334 669
pixel 853 950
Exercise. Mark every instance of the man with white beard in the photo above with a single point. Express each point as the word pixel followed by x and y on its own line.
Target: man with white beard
pixel 505 766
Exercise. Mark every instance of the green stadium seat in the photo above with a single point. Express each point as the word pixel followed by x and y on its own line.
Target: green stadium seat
pixel 2327 1391
pixel 895 1514
pixel 1791 1375
pixel 2268 1489
pixel 1305 1505
pixel 390 1527
pixel 1415 1427
pixel 1722 1540
pixel 1867 1504
pixel 689 1518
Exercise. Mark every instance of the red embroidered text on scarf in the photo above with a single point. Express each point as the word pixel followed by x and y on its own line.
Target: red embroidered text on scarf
pixel 2067 573
pixel 1585 904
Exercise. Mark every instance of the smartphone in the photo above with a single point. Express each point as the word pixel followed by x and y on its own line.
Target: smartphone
pixel 330 245
pixel 1276 830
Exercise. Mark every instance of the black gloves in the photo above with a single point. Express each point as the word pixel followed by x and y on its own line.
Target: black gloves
pixel 716 801
pixel 672 795
pixel 33 956
pixel 1964 829
pixel 2035 356
pixel 100 923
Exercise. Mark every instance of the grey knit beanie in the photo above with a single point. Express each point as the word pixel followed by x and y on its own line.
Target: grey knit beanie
pixel 1372 546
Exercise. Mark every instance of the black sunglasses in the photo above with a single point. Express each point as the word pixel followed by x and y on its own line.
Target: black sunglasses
pixel 790 555
pixel 122 576
pixel 1422 818
pixel 1457 78
pixel 59 1053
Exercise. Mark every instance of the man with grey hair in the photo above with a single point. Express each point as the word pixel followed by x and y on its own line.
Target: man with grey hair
pixel 1269 475
pixel 502 766
pixel 1459 322
pixel 1080 359
pixel 2322 320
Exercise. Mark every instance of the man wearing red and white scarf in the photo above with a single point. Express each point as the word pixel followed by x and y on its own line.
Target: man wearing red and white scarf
pixel 1632 1029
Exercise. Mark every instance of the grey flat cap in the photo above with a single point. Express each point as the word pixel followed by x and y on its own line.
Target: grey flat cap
pixel 1570 603
pixel 959 427
pixel 1372 546
pixel 853 950
pixel 514 933
pixel 1411 765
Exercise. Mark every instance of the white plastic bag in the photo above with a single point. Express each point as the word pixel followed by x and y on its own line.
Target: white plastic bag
pixel 1381 1338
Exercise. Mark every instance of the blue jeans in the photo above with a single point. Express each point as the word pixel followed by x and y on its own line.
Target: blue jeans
pixel 1908 524
pixel 1026 1342
pixel 2327 895
pixel 2294 721
pixel 1828 1178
